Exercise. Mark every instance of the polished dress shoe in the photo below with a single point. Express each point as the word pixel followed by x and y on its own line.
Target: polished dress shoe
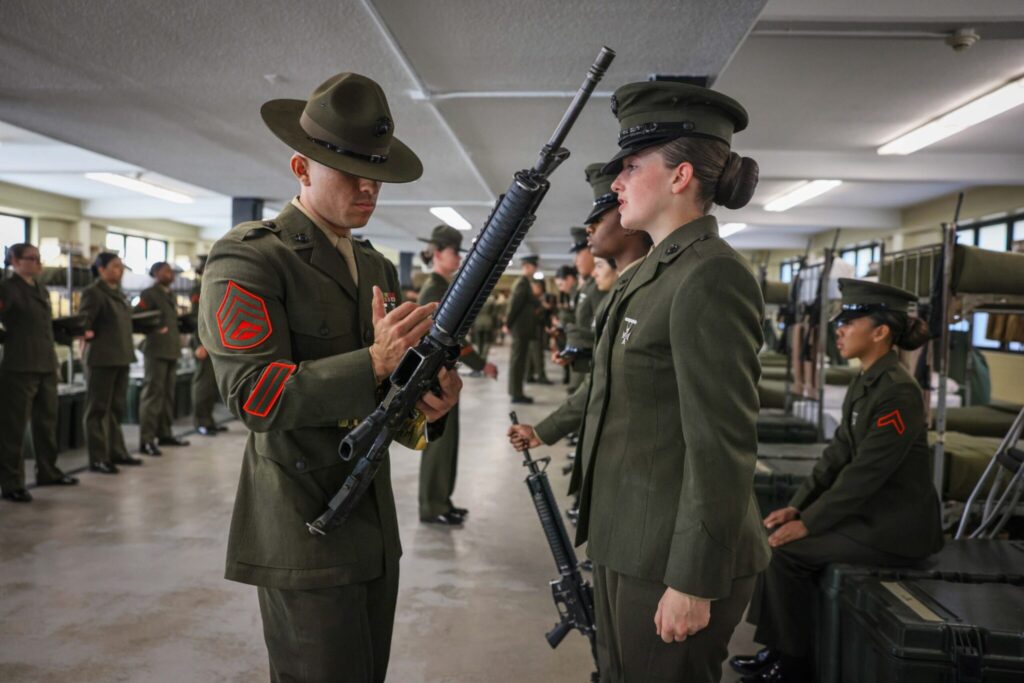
pixel 203 430
pixel 149 448
pixel 62 480
pixel 171 441
pixel 444 519
pixel 587 565
pixel 220 428
pixel 18 496
pixel 522 399
pixel 749 665
pixel 127 460
pixel 103 467
pixel 461 512
pixel 776 673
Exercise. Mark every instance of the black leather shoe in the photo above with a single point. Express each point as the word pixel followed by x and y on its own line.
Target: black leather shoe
pixel 445 519
pixel 544 380
pixel 750 665
pixel 461 512
pixel 203 430
pixel 129 460
pixel 522 399
pixel 775 673
pixel 171 441
pixel 62 480
pixel 221 428
pixel 104 468
pixel 18 496
pixel 587 565
pixel 149 448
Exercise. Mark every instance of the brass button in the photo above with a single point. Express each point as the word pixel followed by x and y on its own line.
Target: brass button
pixel 672 248
pixel 300 465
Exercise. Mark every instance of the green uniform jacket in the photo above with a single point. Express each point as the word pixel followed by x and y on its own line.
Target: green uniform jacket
pixel 288 332
pixel 581 333
pixel 163 345
pixel 433 290
pixel 670 434
pixel 109 315
pixel 519 316
pixel 873 482
pixel 487 320
pixel 25 313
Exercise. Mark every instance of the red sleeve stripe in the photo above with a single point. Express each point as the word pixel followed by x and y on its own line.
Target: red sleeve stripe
pixel 268 389
pixel 895 419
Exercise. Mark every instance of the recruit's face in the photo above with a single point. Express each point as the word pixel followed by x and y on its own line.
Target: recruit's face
pixel 113 272
pixel 29 265
pixel 857 337
pixel 565 285
pixel 644 187
pixel 605 235
pixel 604 275
pixel 584 262
pixel 165 275
pixel 343 199
pixel 529 269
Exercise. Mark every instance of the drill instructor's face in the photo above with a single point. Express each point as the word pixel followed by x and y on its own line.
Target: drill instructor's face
pixel 340 198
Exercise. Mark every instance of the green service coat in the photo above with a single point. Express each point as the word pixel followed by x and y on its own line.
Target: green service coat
pixel 288 331
pixel 520 315
pixel 109 315
pixel 588 298
pixel 873 482
pixel 25 313
pixel 669 441
pixel 163 345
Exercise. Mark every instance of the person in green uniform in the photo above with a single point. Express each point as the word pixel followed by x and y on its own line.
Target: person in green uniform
pixel 521 324
pixel 28 377
pixel 439 464
pixel 869 499
pixel 303 324
pixel 160 351
pixel 588 299
pixel 484 327
pixel 204 384
pixel 108 354
pixel 669 444
pixel 536 373
pixel 567 284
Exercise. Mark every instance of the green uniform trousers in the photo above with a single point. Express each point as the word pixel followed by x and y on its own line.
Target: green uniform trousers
pixel 517 365
pixel 535 370
pixel 105 399
pixel 156 407
pixel 438 466
pixel 629 648
pixel 483 340
pixel 330 634
pixel 27 397
pixel 204 393
pixel 784 607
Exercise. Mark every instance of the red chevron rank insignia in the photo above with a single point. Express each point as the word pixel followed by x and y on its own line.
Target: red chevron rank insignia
pixel 895 419
pixel 242 319
pixel 268 389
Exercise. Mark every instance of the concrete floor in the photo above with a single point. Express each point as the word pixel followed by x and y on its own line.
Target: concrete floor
pixel 120 578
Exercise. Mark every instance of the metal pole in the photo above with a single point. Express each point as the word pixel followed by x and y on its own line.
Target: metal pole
pixel 823 310
pixel 942 360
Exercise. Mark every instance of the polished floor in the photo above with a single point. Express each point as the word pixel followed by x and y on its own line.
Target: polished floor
pixel 120 578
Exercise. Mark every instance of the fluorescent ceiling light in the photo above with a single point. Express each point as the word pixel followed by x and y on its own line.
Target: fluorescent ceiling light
pixel 809 189
pixel 140 186
pixel 985 107
pixel 451 217
pixel 731 229
pixel 538 275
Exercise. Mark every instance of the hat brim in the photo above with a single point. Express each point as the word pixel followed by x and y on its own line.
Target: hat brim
pixel 282 118
pixel 442 246
pixel 600 210
pixel 614 165
pixel 847 316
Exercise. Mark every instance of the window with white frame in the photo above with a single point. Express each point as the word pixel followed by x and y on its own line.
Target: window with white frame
pixel 138 253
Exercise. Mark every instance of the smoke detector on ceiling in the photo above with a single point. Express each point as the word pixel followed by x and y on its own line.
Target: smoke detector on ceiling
pixel 962 39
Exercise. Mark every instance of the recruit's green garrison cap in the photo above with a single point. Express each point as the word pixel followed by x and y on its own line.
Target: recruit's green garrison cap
pixel 444 236
pixel 654 112
pixel 604 198
pixel 532 259
pixel 863 297
pixel 579 239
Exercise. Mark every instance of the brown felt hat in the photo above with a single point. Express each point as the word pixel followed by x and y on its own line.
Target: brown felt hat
pixel 444 236
pixel 346 124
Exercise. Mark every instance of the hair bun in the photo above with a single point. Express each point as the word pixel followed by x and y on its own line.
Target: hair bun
pixel 737 183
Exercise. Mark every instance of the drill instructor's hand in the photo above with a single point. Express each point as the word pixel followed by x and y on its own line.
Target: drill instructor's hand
pixel 396 332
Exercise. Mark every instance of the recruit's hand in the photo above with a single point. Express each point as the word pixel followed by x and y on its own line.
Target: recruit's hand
pixel 679 615
pixel 89 334
pixel 522 437
pixel 201 353
pixel 780 517
pixel 163 330
pixel 787 533
pixel 395 332
pixel 558 359
pixel 491 371
pixel 434 407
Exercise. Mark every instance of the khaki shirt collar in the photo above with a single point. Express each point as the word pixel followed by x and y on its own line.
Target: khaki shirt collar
pixel 331 236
